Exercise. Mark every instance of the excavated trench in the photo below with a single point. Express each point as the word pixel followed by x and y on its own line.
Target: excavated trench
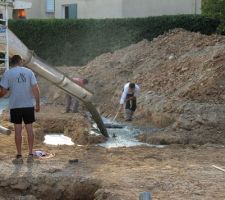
pixel 54 186
pixel 120 135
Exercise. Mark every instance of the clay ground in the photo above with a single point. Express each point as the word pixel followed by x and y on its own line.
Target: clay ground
pixel 173 172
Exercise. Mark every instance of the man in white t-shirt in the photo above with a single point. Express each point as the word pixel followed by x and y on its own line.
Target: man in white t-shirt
pixel 24 99
pixel 128 99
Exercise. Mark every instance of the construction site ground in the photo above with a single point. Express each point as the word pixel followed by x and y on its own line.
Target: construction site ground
pixel 182 80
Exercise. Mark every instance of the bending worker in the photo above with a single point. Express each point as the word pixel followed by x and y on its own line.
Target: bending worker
pixel 128 99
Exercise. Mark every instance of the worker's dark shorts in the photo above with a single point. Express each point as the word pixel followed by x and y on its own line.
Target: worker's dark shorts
pixel 17 115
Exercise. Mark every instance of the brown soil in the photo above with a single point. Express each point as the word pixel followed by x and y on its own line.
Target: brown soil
pixel 181 75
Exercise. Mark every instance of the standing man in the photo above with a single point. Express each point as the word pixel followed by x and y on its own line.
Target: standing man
pixel 23 88
pixel 129 98
pixel 72 103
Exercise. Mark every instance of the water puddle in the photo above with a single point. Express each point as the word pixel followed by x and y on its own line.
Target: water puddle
pixel 57 139
pixel 125 136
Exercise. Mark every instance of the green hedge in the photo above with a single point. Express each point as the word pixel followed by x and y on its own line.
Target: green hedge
pixel 75 42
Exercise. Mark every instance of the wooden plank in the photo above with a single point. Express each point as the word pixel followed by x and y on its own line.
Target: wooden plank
pixel 219 168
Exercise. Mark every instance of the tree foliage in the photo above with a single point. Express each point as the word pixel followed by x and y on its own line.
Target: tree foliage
pixel 215 9
pixel 76 42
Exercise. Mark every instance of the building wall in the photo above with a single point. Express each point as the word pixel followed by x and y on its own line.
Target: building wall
pixel 38 10
pixel 144 8
pixel 130 8
pixel 91 8
pixel 116 8
pixel 34 12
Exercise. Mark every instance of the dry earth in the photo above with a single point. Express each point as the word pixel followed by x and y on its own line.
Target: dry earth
pixel 181 75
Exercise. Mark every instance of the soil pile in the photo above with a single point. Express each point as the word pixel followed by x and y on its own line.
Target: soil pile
pixel 182 81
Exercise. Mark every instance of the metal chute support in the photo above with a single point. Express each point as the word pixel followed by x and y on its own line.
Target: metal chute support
pixel 4 130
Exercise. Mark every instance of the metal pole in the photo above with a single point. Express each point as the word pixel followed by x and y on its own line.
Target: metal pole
pixel 4 130
pixel 195 7
pixel 7 38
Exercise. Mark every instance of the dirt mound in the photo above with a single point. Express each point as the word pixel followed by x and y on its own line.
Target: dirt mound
pixel 179 63
pixel 181 75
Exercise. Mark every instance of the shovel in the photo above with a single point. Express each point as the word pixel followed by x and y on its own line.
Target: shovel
pixel 116 115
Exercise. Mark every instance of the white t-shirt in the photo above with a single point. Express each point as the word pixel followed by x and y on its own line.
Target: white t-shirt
pixel 19 80
pixel 125 92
